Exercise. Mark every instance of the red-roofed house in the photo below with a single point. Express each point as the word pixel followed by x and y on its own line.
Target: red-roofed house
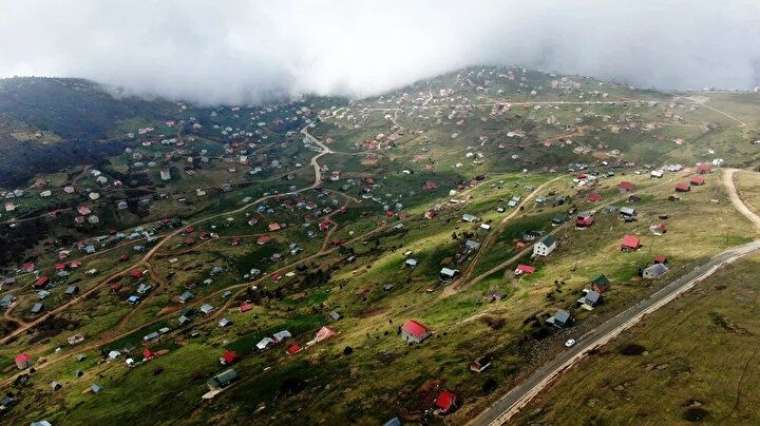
pixel 630 243
pixel 704 168
pixel 594 197
pixel 660 259
pixel 294 349
pixel 41 281
pixel 683 187
pixel 524 269
pixel 60 266
pixel 414 332
pixel 23 361
pixel 148 354
pixel 262 240
pixel 229 357
pixel 245 307
pixel 74 264
pixel 697 180
pixel 27 267
pixel 324 333
pixel 446 401
pixel 626 186
pixel 83 210
pixel 584 221
pixel 274 226
pixel 136 273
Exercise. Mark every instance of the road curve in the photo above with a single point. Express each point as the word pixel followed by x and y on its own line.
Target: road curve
pixel 728 181
pixel 503 409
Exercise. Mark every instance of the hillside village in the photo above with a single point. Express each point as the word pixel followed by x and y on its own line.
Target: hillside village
pixel 400 259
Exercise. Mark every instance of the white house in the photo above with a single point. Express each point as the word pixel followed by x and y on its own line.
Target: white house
pixel 545 246
pixel 469 218
pixel 448 273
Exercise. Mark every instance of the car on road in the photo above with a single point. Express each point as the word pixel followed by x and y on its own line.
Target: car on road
pixel 570 343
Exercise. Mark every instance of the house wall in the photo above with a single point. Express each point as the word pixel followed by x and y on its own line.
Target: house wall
pixel 542 250
pixel 409 338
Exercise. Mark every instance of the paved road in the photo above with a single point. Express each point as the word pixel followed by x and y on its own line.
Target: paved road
pixel 507 406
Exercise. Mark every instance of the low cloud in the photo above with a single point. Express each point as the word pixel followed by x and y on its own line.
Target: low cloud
pixel 248 51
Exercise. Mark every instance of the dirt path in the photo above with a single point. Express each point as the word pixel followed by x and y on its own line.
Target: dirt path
pixel 733 195
pixel 493 235
pixel 702 101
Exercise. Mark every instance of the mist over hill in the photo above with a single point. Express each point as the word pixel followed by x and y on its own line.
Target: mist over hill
pixel 245 52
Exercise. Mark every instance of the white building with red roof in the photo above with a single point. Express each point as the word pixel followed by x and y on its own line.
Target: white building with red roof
pixel 414 332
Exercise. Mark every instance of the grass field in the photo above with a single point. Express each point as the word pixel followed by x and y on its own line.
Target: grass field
pixel 694 360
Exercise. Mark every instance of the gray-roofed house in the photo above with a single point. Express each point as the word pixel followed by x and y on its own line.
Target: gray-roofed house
pixel 627 211
pixel 223 379
pixel 545 246
pixel 185 297
pixel 655 271
pixel 448 273
pixel 183 319
pixel 7 301
pixel 335 315
pixel 469 218
pixel 37 308
pixel 393 422
pixel 560 319
pixel 471 245
pixel 264 343
pixel 72 290
pixel 207 309
pixel 281 335
pixel 151 336
pixel 95 388
pixel 410 263
pixel 590 299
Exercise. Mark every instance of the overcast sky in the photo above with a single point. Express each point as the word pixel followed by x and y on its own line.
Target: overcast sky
pixel 238 51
